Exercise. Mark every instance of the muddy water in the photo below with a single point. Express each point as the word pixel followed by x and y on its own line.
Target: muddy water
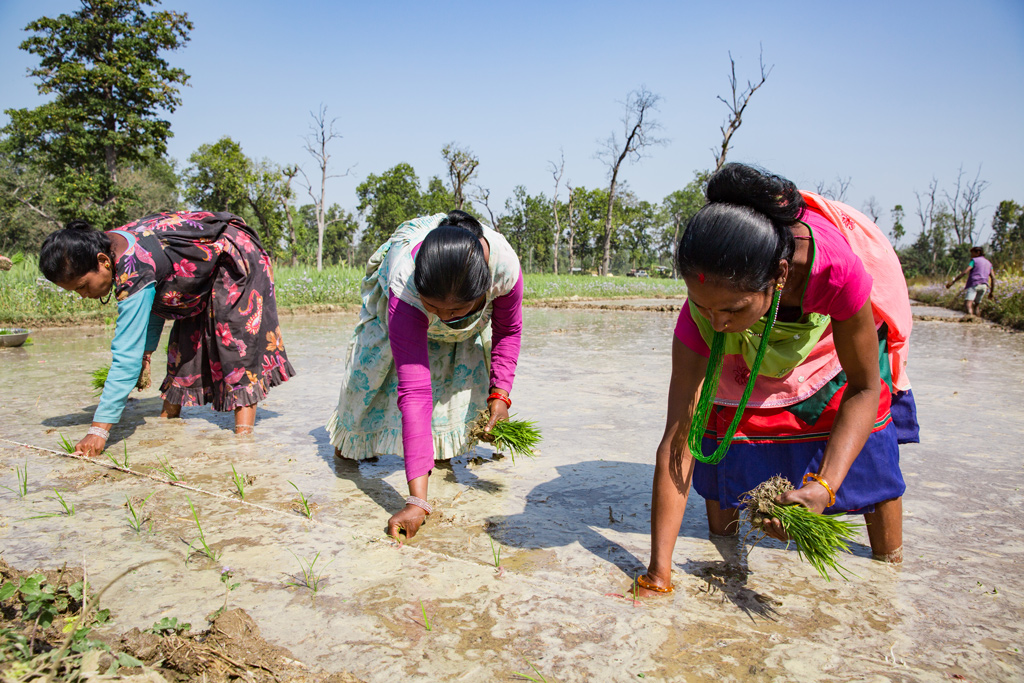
pixel 571 525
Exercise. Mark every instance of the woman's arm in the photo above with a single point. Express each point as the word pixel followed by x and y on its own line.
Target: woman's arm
pixel 856 341
pixel 507 328
pixel 127 350
pixel 407 335
pixel 674 464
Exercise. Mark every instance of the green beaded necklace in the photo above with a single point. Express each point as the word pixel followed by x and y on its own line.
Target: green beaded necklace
pixel 710 388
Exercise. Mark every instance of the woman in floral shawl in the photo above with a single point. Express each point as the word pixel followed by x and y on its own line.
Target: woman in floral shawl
pixel 205 271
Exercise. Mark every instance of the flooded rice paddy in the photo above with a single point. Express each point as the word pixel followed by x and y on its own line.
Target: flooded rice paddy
pixel 571 525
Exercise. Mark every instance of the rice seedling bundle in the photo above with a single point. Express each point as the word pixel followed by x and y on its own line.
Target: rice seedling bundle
pixel 517 437
pixel 99 379
pixel 818 538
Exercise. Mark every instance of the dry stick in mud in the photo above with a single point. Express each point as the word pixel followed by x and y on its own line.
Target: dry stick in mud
pixel 518 437
pixel 818 538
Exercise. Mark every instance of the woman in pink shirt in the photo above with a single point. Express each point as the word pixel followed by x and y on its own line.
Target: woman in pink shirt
pixel 788 359
pixel 423 361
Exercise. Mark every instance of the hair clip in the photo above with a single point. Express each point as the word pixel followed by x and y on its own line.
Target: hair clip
pixel 700 276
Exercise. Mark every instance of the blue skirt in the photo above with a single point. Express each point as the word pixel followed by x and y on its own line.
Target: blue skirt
pixel 874 476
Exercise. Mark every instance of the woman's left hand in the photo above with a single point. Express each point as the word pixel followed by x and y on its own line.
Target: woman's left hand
pixel 499 411
pixel 813 496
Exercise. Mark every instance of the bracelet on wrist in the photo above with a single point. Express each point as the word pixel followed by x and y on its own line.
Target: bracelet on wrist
pixel 821 480
pixel 420 503
pixel 100 432
pixel 500 397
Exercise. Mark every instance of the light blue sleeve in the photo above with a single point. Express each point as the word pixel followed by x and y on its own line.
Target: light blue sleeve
pixel 153 332
pixel 129 343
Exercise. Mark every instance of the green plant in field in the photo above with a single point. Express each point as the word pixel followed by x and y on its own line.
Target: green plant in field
pixel 99 379
pixel 69 508
pixel 165 468
pixel 137 517
pixel 118 463
pixel 311 577
pixel 496 554
pixel 305 505
pixel 531 678
pixel 426 622
pixel 168 626
pixel 517 437
pixel 239 482
pixel 225 577
pixel 818 538
pixel 203 546
pixel 22 490
pixel 65 444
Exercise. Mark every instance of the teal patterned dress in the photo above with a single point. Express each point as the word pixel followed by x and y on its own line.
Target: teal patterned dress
pixel 367 421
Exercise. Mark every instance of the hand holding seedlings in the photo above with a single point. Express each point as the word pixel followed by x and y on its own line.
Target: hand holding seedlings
pixel 812 496
pixel 93 444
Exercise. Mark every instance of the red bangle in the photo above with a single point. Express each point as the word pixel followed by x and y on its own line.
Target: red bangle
pixel 501 397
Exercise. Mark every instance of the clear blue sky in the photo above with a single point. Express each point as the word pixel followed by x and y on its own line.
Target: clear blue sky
pixel 890 94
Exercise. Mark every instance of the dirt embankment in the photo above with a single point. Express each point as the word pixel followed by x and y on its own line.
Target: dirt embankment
pixel 43 604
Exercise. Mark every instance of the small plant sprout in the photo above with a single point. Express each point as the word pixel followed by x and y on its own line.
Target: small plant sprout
pixel 517 437
pixel 239 482
pixel 531 678
pixel 225 577
pixel 99 379
pixel 137 517
pixel 203 546
pixel 165 469
pixel 168 626
pixel 426 622
pixel 22 490
pixel 818 538
pixel 311 577
pixel 114 460
pixel 69 508
pixel 496 554
pixel 65 444
pixel 304 505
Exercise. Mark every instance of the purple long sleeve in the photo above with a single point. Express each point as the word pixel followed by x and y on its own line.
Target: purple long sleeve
pixel 407 333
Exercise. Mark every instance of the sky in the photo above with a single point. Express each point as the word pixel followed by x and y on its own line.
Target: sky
pixel 889 95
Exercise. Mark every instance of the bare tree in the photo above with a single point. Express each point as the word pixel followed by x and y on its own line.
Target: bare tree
pixel 836 191
pixel 637 135
pixel 737 104
pixel 483 195
pixel 557 172
pixel 285 197
pixel 462 165
pixel 321 134
pixel 963 206
pixel 872 209
pixel 927 210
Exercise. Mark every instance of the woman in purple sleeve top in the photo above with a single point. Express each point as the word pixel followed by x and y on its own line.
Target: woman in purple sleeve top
pixel 423 361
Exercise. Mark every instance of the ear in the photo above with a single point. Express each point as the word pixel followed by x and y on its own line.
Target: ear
pixel 103 261
pixel 782 274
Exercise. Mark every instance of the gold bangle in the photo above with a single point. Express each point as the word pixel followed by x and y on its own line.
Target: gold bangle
pixel 821 480
pixel 644 582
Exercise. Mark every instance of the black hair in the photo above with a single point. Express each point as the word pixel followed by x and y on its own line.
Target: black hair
pixel 450 265
pixel 743 232
pixel 71 252
pixel 980 250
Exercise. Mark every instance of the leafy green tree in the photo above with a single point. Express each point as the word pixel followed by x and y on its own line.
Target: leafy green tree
pixel 339 236
pixel 677 209
pixel 462 165
pixel 103 65
pixel 526 224
pixel 1008 232
pixel 898 231
pixel 439 199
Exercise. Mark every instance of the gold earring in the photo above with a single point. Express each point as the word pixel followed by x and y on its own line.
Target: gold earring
pixel 779 286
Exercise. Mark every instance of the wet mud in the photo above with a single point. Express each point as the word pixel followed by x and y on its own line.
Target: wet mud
pixel 571 525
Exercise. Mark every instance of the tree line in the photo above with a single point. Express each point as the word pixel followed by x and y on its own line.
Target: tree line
pixel 98 150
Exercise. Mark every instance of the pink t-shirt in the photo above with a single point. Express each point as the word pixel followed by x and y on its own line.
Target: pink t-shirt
pixel 407 333
pixel 838 284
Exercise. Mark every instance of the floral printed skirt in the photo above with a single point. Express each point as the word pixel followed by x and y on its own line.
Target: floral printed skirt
pixel 231 353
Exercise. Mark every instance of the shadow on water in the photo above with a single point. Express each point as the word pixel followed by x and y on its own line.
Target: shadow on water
pixel 135 410
pixel 727 578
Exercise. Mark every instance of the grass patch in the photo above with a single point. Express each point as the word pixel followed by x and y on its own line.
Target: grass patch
pixel 311 576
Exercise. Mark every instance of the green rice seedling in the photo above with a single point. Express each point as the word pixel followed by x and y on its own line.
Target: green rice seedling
pixel 69 508
pixel 311 577
pixel 305 506
pixel 818 538
pixel 165 468
pixel 518 437
pixel 496 553
pixel 203 546
pixel 22 481
pixel 99 379
pixel 137 517
pixel 65 444
pixel 426 622
pixel 119 463
pixel 531 678
pixel 239 482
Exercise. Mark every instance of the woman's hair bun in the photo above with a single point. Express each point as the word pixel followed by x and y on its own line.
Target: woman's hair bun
pixel 764 192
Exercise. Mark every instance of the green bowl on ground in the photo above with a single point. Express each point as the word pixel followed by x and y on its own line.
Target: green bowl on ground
pixel 13 336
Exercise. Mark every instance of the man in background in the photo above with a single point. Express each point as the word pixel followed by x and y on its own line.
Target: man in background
pixel 980 280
